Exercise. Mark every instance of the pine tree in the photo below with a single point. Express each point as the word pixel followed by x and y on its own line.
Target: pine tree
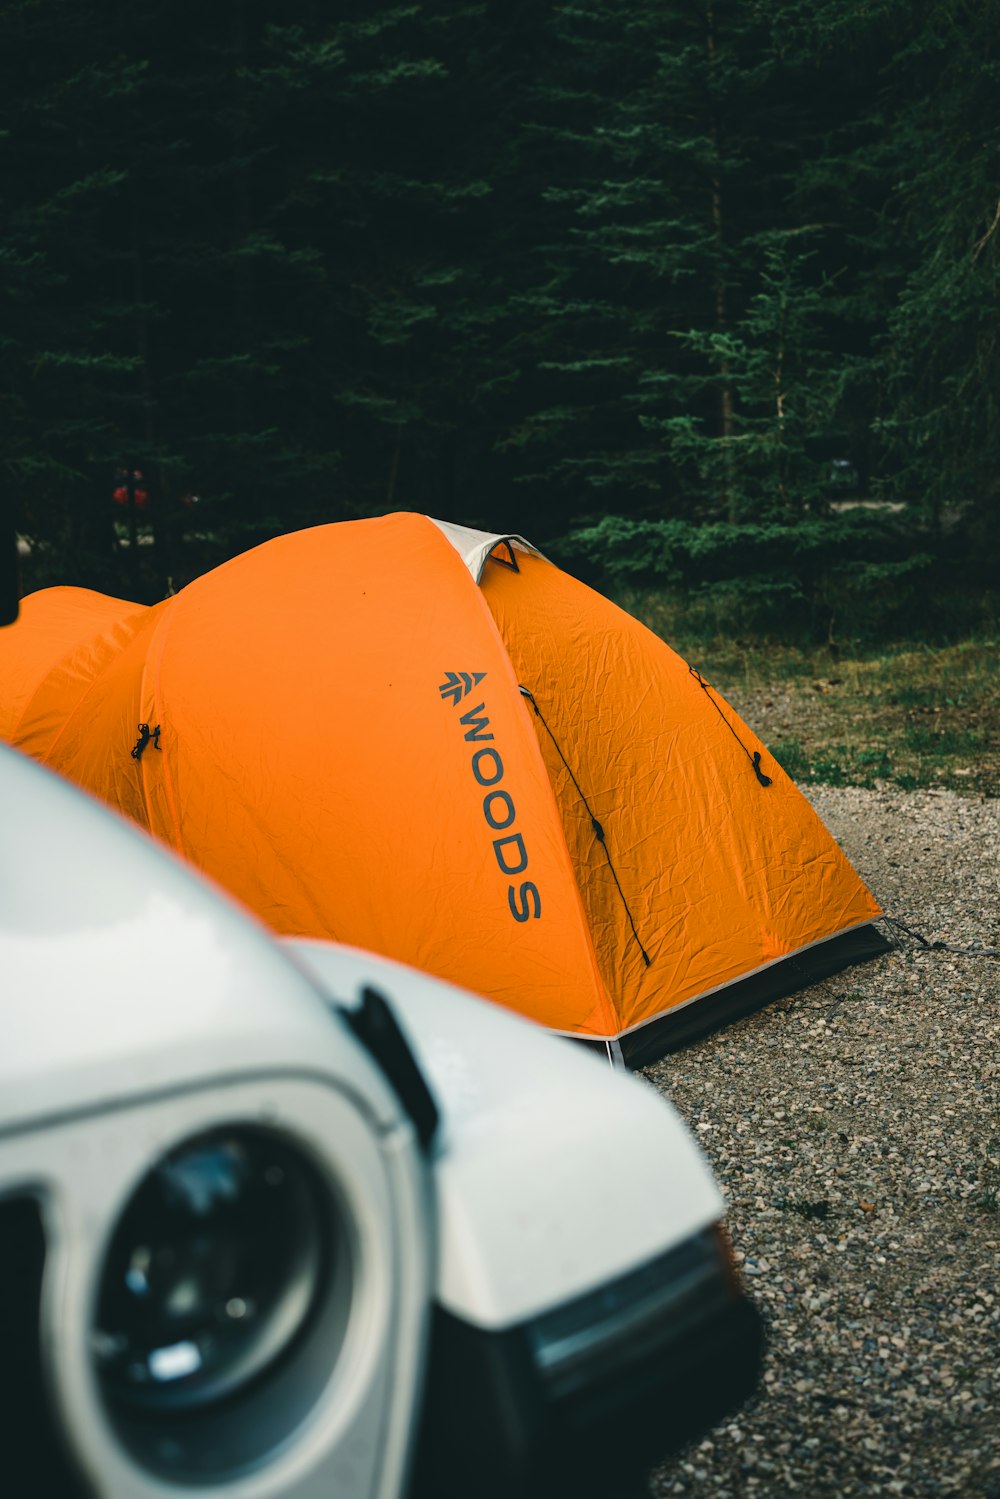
pixel 779 388
pixel 662 135
pixel 940 357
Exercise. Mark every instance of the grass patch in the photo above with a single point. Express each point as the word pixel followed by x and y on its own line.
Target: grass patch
pixel 908 715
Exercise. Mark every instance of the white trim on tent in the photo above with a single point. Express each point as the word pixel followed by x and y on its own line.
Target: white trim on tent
pixel 475 546
pixel 750 972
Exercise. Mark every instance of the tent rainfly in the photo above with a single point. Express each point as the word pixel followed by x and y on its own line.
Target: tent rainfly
pixel 433 743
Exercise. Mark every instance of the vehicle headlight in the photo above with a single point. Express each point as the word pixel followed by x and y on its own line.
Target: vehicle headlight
pixel 214 1269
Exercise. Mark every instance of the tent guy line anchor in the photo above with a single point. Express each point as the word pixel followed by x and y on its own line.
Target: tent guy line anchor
pixel 598 830
pixel 924 945
pixel 145 735
pixel 755 757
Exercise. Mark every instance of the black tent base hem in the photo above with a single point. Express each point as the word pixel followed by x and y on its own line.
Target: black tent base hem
pixel 678 1028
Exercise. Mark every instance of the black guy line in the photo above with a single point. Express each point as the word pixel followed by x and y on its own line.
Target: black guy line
pixel 896 926
pixel 598 830
pixel 755 757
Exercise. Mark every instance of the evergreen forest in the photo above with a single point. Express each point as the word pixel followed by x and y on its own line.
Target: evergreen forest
pixel 700 296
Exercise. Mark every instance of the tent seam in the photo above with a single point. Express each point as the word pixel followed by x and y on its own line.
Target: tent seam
pixel 61 662
pixel 608 1002
pixel 157 646
pixel 72 715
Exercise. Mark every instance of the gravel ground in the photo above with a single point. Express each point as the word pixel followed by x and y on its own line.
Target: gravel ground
pixel 855 1128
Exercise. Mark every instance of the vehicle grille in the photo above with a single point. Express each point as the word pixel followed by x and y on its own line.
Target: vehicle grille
pixel 34 1460
pixel 586 1396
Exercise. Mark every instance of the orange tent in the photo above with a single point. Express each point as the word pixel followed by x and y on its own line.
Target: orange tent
pixel 432 743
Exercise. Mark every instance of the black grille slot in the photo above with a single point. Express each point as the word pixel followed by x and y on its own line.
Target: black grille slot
pixel 33 1457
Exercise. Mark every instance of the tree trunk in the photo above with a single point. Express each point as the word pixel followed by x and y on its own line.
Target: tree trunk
pixel 390 492
pixel 726 404
pixel 160 509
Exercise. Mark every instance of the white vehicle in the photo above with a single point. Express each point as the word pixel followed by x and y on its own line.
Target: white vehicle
pixel 296 1221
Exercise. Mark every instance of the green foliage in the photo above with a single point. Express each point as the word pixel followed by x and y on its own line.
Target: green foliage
pixel 629 277
pixel 761 575
pixel 783 388
pixel 939 352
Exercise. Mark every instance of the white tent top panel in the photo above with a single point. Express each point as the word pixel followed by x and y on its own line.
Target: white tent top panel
pixel 475 546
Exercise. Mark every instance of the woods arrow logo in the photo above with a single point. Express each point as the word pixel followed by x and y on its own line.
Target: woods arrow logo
pixel 524 900
pixel 459 684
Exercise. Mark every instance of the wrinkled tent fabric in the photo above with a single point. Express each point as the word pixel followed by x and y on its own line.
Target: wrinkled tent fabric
pixel 432 743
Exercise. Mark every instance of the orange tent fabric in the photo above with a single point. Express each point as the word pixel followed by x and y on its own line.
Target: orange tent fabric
pixel 433 743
